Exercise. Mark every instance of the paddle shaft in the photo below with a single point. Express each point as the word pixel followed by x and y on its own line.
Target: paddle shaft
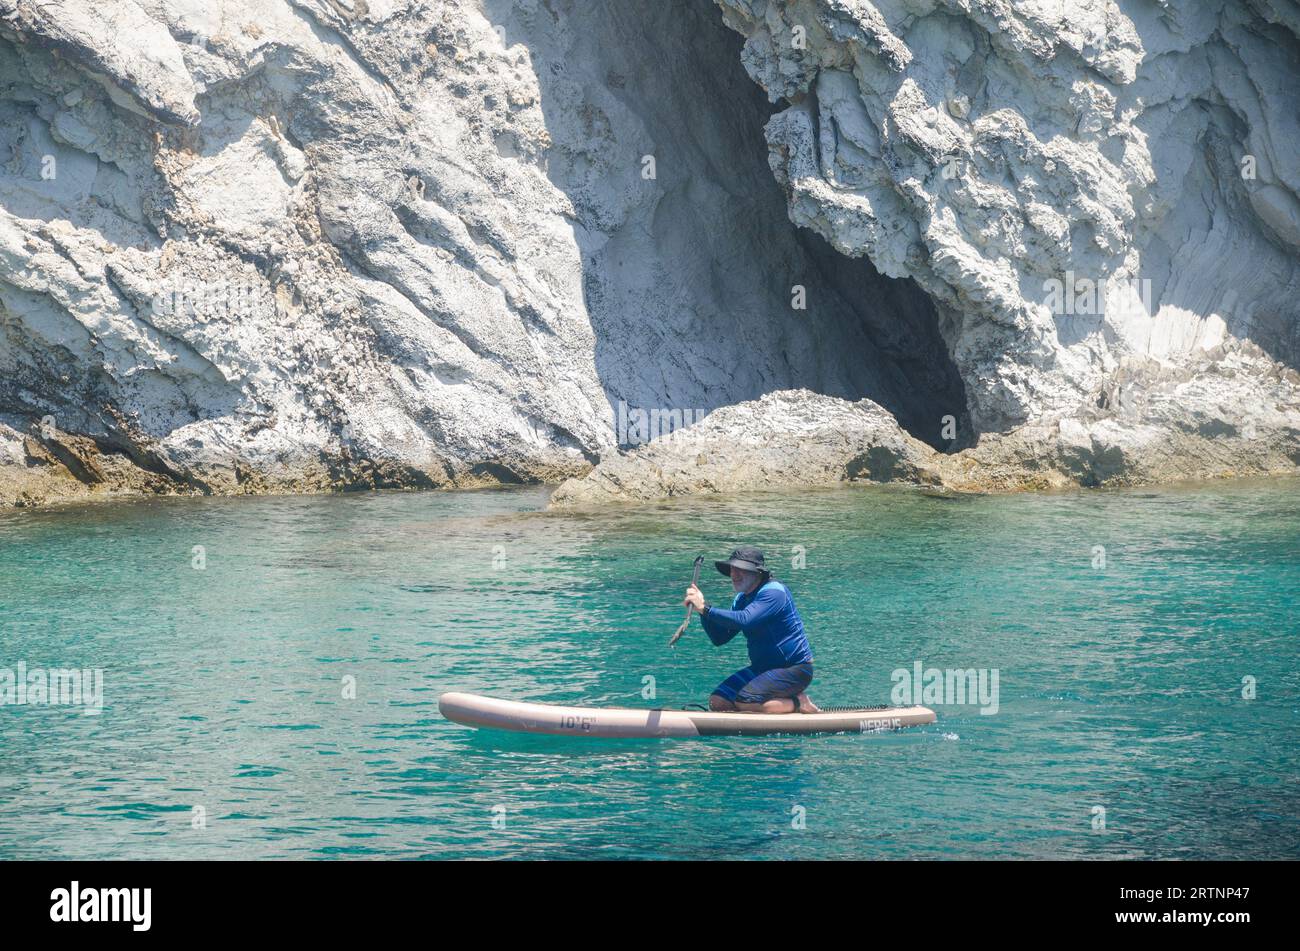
pixel 690 608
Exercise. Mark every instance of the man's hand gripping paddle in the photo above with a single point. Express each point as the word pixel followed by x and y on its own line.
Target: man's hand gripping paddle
pixel 690 608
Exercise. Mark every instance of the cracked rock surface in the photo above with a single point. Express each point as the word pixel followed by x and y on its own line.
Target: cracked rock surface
pixel 258 245
pixel 1220 417
pixel 1009 155
pixel 1100 197
pixel 791 438
pixel 311 245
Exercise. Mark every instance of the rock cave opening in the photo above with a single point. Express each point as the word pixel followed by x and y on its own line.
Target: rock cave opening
pixel 700 265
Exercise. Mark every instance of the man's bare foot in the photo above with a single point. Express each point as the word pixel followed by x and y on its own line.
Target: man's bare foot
pixel 807 706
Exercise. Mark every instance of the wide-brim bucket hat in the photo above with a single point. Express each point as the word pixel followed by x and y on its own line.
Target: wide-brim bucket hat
pixel 748 559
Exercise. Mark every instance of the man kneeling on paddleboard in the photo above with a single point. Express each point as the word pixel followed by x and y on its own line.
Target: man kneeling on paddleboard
pixel 780 659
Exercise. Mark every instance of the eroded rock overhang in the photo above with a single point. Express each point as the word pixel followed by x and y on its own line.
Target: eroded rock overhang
pixel 1101 199
pixel 1085 189
pixel 325 244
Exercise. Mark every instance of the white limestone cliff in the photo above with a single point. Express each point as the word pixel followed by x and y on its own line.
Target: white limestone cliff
pixel 308 245
pixel 1100 197
pixel 1009 155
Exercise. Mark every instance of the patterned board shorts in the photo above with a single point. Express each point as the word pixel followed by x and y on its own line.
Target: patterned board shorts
pixel 746 686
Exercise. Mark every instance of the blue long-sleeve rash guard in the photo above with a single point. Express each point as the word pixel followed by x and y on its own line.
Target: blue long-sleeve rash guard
pixel 771 625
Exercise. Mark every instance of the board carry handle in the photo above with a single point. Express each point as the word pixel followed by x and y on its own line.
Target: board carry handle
pixel 690 608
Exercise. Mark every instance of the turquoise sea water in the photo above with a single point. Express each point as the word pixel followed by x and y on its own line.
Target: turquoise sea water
pixel 1120 687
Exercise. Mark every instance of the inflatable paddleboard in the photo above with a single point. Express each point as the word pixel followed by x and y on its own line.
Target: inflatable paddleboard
pixel 473 710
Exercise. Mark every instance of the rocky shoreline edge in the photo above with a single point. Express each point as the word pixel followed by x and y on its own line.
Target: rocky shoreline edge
pixel 1234 415
pixel 1177 432
pixel 47 466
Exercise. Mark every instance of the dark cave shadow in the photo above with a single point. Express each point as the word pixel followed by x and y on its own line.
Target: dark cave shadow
pixel 689 284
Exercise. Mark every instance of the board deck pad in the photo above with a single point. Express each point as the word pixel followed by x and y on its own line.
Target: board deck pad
pixel 556 720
